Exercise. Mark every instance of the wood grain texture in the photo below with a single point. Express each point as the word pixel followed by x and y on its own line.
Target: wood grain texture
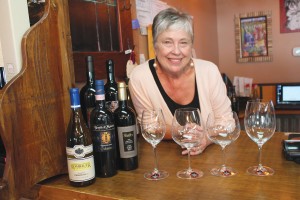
pixel 34 105
pixel 240 155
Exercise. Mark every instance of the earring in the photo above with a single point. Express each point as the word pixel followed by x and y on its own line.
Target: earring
pixel 192 63
pixel 154 64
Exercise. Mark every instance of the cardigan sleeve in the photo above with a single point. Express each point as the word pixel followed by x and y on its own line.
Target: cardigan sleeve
pixel 211 89
pixel 138 93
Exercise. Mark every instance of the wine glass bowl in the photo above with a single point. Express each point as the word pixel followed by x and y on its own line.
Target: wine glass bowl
pixel 223 130
pixel 186 131
pixel 153 129
pixel 187 136
pixel 153 133
pixel 260 125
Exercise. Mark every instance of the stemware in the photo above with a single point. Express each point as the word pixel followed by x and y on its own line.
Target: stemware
pixel 260 125
pixel 186 131
pixel 223 130
pixel 153 128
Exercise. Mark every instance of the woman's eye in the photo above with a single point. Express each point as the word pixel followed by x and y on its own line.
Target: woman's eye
pixel 183 44
pixel 167 42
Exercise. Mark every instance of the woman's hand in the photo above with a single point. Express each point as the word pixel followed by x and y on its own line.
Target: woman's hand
pixel 203 144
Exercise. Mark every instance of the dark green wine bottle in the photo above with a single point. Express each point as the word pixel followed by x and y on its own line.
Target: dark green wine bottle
pixel 111 87
pixel 103 135
pixel 87 93
pixel 125 120
pixel 79 148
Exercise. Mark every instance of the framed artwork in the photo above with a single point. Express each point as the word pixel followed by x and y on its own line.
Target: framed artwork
pixel 289 16
pixel 253 37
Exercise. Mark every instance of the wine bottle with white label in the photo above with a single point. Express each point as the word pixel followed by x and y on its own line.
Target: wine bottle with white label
pixel 125 121
pixel 79 148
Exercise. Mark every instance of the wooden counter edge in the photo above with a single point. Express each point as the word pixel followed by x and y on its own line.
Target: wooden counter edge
pixel 47 192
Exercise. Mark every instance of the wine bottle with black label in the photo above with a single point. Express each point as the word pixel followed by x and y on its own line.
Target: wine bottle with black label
pixel 87 93
pixel 111 87
pixel 79 148
pixel 103 135
pixel 125 120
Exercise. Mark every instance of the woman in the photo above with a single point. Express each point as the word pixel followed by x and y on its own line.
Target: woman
pixel 174 79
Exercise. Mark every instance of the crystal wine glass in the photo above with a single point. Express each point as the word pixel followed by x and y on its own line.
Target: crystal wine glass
pixel 260 125
pixel 153 128
pixel 223 130
pixel 186 131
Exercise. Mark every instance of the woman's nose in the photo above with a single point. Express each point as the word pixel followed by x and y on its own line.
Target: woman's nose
pixel 176 49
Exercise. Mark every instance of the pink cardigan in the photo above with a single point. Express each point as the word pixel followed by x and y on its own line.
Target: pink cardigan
pixel 211 91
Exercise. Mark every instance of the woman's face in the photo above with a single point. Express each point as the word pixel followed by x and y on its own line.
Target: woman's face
pixel 173 50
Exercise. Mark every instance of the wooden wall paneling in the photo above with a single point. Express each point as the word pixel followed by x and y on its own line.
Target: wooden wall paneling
pixel 35 107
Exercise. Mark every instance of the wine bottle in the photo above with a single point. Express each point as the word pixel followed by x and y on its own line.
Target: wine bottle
pixel 87 93
pixel 79 146
pixel 234 100
pixel 111 88
pixel 125 121
pixel 129 100
pixel 103 135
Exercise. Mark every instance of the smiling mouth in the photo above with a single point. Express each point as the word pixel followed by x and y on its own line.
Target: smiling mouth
pixel 175 60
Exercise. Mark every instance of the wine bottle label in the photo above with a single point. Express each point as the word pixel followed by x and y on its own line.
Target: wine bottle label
pixel 103 137
pixel 112 105
pixel 81 170
pixel 127 141
pixel 80 164
pixel 79 151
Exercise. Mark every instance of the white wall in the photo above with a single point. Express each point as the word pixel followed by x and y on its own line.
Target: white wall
pixel 1 56
pixel 14 22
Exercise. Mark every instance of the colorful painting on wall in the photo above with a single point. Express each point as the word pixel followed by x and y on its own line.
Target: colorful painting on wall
pixel 253 37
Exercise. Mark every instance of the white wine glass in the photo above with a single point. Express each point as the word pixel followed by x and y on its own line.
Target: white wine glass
pixel 223 130
pixel 186 131
pixel 153 128
pixel 260 125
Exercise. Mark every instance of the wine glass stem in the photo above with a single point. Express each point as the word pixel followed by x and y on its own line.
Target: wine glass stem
pixel 224 157
pixel 259 156
pixel 189 161
pixel 155 160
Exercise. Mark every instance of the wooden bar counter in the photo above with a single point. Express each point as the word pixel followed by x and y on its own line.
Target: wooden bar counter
pixel 284 184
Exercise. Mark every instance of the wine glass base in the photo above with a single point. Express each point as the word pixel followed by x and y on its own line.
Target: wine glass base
pixel 189 174
pixel 264 171
pixel 158 175
pixel 223 171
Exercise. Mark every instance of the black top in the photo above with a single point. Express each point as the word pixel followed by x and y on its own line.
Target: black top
pixel 172 104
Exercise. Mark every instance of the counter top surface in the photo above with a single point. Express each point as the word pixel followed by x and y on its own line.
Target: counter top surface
pixel 243 153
